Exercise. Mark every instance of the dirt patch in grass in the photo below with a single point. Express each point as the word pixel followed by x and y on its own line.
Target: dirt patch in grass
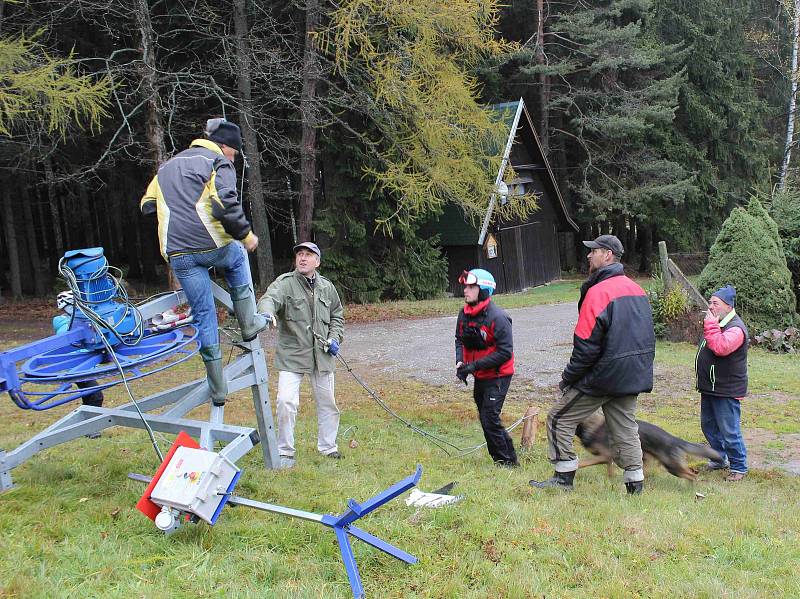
pixel 767 450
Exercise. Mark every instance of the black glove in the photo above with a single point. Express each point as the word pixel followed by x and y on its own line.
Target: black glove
pixel 562 384
pixel 464 370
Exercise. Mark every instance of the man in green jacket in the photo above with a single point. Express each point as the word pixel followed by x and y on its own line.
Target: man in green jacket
pixel 308 310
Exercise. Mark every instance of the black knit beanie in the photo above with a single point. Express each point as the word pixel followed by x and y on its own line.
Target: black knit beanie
pixel 226 133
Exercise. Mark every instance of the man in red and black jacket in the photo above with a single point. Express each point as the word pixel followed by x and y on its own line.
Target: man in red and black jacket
pixel 612 362
pixel 485 349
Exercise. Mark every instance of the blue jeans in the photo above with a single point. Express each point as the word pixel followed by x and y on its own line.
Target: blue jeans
pixel 720 419
pixel 192 272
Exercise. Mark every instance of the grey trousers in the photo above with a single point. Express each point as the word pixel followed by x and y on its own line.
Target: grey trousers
pixel 623 432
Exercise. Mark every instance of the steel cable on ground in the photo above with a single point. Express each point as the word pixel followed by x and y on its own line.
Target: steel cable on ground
pixel 438 441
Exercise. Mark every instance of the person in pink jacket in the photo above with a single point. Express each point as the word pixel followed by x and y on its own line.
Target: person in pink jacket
pixel 721 368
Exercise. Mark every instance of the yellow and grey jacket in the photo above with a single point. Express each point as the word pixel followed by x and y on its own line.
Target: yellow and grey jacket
pixel 194 196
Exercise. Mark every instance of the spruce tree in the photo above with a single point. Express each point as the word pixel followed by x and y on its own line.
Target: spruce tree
pixel 617 104
pixel 748 255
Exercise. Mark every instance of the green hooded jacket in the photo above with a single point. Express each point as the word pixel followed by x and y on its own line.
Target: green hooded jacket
pixel 296 306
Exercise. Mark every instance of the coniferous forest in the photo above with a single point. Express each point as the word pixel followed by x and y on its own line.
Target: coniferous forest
pixel 361 119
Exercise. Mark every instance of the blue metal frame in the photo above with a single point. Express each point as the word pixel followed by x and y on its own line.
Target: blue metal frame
pixel 343 526
pixel 69 362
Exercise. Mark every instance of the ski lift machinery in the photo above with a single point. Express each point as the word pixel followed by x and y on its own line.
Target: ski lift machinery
pixel 109 343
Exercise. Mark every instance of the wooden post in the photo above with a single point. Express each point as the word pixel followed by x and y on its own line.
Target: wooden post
pixel 664 259
pixel 530 427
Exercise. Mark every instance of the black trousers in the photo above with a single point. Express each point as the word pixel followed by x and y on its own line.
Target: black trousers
pixel 93 399
pixel 489 395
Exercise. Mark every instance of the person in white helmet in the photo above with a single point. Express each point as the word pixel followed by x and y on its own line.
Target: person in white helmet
pixel 485 349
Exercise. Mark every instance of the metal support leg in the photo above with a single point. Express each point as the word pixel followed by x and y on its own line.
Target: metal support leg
pixel 381 544
pixel 216 417
pixel 263 409
pixel 350 565
pixel 5 474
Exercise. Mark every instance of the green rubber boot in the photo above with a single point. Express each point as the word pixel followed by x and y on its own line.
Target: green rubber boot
pixel 215 377
pixel 244 306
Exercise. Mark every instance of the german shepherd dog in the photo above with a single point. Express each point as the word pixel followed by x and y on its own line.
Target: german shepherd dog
pixel 657 444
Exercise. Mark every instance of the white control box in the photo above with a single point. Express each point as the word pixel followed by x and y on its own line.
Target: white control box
pixel 193 481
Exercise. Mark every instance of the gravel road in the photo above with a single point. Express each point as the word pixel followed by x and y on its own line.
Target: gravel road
pixel 423 349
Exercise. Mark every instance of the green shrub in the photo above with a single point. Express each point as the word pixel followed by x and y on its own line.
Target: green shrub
pixel 748 254
pixel 668 304
pixel 785 210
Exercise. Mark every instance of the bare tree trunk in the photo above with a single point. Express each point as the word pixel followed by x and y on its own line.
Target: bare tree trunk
pixel 11 246
pixel 646 236
pixel 85 209
pixel 308 111
pixel 544 81
pixel 154 128
pixel 39 288
pixel 255 185
pixel 55 212
pixel 787 152
pixel 63 208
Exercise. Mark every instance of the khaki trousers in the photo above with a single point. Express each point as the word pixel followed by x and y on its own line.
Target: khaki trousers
pixel 288 402
pixel 623 432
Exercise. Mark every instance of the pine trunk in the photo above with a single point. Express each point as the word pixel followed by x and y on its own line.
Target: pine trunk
pixel 39 287
pixel 308 111
pixel 15 275
pixel 646 236
pixel 85 208
pixel 255 184
pixel 544 81
pixel 55 212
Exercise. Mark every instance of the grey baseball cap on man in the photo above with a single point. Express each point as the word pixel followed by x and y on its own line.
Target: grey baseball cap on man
pixel 309 246
pixel 607 242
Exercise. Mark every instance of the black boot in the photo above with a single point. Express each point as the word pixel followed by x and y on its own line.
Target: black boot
pixel 635 488
pixel 559 480
pixel 215 377
pixel 244 306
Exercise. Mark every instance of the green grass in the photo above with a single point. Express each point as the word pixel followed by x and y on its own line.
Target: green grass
pixel 70 529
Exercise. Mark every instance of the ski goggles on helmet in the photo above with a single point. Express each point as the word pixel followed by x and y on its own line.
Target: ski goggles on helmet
pixel 470 278
pixel 467 278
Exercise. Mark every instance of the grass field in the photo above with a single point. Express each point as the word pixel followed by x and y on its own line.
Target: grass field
pixel 70 528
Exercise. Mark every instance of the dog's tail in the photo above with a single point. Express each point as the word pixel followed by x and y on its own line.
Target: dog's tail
pixel 701 450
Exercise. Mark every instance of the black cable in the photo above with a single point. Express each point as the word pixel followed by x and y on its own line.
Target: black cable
pixel 438 441
pixel 133 399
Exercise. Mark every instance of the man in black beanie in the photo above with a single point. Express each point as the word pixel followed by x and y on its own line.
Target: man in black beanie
pixel 200 215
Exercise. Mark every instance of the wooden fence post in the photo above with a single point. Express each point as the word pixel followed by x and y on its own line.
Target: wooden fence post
pixel 664 260
pixel 530 427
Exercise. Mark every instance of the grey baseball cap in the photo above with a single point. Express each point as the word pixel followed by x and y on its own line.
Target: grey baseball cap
pixel 607 242
pixel 309 245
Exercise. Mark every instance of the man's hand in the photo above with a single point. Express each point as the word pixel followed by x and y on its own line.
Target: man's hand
pixel 562 384
pixel 250 242
pixel 464 370
pixel 332 347
pixel 710 316
pixel 270 319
